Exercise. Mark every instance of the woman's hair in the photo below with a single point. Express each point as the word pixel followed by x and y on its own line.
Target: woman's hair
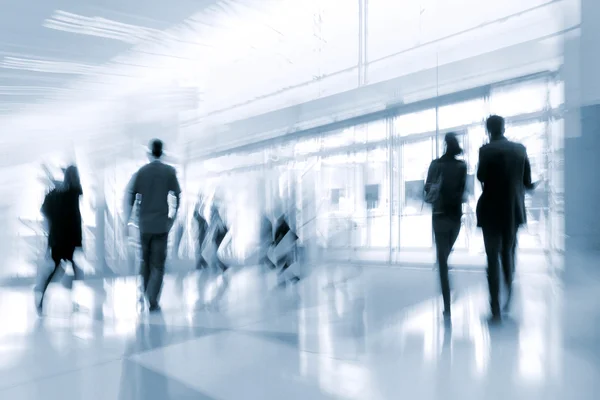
pixel 452 146
pixel 72 181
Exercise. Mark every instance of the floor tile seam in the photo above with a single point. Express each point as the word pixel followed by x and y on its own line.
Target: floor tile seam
pixel 277 314
pixel 237 329
pixel 330 357
pixel 130 355
pixel 197 310
pixel 316 353
pixel 274 316
pixel 62 373
pixel 172 376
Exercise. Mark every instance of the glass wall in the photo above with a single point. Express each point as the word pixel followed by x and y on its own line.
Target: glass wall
pixel 353 193
pixel 362 186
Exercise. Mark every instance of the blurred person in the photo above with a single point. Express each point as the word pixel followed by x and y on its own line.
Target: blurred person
pixel 505 174
pixel 266 240
pixel 445 191
pixel 217 232
pixel 153 182
pixel 202 231
pixel 65 234
pixel 284 247
pixel 179 229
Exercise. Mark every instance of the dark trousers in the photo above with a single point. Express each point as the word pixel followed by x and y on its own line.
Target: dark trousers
pixel 500 245
pixel 446 230
pixel 58 255
pixel 154 255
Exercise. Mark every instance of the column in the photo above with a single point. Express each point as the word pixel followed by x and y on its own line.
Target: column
pixel 581 73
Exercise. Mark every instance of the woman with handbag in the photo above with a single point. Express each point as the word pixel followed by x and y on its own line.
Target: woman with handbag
pixel 444 190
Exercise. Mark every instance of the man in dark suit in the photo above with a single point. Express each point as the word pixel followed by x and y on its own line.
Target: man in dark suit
pixel 154 181
pixel 505 174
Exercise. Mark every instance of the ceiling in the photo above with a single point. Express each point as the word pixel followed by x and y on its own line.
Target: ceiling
pixel 145 46
pixel 107 69
pixel 45 45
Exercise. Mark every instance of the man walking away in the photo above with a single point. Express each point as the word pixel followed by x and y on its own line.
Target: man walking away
pixel 153 182
pixel 505 174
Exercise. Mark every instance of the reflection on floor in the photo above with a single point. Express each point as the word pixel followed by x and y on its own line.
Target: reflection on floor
pixel 344 333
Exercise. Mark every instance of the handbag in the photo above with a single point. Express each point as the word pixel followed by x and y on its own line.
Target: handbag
pixel 432 193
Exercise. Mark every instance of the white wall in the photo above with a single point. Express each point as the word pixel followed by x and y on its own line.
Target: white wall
pixel 217 133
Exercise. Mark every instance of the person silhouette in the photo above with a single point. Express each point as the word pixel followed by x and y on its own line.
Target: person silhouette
pixel 505 175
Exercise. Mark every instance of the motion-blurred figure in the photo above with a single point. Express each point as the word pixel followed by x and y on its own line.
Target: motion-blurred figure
pixel 265 242
pixel 445 190
pixel 179 232
pixel 62 213
pixel 217 233
pixel 284 248
pixel 153 182
pixel 505 174
pixel 202 231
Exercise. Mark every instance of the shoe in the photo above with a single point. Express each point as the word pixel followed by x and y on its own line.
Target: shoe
pixel 155 308
pixel 495 319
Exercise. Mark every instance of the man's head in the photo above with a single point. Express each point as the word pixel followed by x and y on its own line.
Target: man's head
pixel 495 126
pixel 156 148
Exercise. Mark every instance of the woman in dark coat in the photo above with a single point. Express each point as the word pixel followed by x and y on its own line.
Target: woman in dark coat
pixel 61 210
pixel 447 177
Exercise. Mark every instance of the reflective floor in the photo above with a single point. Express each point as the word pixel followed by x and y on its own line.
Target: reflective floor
pixel 341 333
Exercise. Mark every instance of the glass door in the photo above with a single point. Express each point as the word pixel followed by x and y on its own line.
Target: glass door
pixel 377 198
pixel 307 221
pixel 415 215
pixel 339 204
pixel 532 136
